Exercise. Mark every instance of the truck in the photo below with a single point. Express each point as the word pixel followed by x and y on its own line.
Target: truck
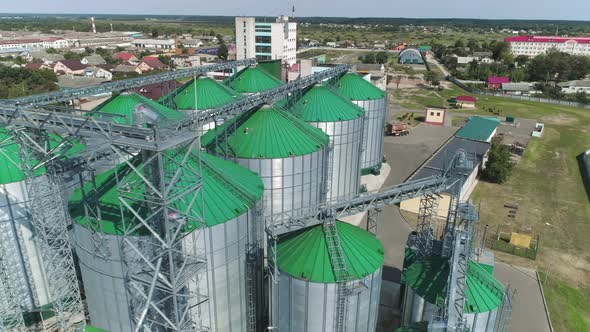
pixel 396 129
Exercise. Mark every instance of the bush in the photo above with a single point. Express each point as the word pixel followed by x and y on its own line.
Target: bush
pixel 499 166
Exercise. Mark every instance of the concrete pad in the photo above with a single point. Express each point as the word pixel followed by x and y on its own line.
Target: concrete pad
pixel 528 310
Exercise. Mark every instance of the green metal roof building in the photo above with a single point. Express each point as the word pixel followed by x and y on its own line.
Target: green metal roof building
pixel 253 79
pixel 479 129
pixel 124 108
pixel 304 299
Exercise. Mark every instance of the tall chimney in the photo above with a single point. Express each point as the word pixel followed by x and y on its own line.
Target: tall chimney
pixel 93 25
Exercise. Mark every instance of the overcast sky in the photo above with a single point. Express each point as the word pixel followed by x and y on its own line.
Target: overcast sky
pixel 485 9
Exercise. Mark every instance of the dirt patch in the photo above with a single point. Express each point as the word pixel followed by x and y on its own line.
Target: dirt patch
pixel 569 267
pixel 559 119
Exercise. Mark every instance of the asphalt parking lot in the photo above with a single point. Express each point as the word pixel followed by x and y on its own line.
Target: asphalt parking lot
pixel 404 154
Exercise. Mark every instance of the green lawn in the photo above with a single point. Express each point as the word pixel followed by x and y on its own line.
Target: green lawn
pixel 568 306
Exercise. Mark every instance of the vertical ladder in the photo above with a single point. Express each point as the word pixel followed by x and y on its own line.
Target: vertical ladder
pixel 340 271
pixel 11 318
pixel 449 232
pixel 251 290
pixel 424 229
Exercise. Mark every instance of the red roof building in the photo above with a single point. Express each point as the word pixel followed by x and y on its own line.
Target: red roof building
pixel 157 90
pixel 125 57
pixel 151 63
pixel 69 67
pixel 534 45
pixel 495 82
pixel 467 99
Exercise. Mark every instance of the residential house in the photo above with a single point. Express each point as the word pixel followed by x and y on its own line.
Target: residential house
pixel 93 60
pixel 575 86
pixel 481 55
pixel 126 57
pixel 486 60
pixel 150 63
pixel 463 60
pixel 157 90
pixel 192 43
pixel 495 82
pixel 69 67
pixel 37 66
pixel 331 44
pixel 185 61
pixel 98 72
pixel 126 68
pixel 9 64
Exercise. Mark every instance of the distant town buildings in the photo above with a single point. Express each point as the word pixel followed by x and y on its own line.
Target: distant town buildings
pixel 575 86
pixel 534 45
pixel 266 41
pixel 33 43
pixel 155 45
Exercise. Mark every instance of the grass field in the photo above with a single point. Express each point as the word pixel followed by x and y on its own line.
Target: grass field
pixel 548 189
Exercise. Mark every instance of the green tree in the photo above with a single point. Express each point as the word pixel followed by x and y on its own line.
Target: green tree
pixel 369 58
pixel 51 50
pixel 430 76
pixel 381 57
pixel 582 97
pixel 499 166
pixel 155 33
pixel 222 52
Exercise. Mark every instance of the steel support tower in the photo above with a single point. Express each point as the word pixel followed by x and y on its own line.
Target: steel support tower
pixel 11 318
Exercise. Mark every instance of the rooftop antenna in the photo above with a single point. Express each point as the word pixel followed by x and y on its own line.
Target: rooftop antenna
pixel 293 11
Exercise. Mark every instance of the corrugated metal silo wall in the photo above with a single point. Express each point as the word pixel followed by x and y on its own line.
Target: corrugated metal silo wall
pixel 344 159
pixel 375 113
pixel 300 305
pixel 292 186
pixel 23 256
pixel 226 247
pixel 103 275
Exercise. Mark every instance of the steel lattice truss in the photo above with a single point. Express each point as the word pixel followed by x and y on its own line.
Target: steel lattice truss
pixel 71 94
pixel 11 318
pixel 50 220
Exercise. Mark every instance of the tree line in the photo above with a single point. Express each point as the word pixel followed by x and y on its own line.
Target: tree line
pixel 18 82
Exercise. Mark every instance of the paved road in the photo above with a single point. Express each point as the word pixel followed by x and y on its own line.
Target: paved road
pixel 528 313
pixel 431 59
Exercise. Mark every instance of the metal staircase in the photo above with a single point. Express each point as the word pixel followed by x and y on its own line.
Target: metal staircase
pixel 340 271
pixel 424 228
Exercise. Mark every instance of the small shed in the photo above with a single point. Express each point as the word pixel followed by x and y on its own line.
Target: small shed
pixel 435 116
pixel 465 102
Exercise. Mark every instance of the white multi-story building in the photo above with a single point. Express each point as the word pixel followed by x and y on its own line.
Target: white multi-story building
pixel 266 41
pixel 534 45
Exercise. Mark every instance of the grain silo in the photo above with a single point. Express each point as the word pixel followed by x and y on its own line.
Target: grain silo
pixel 226 201
pixel 253 79
pixel 23 258
pixel 288 155
pixel 132 109
pixel 305 297
pixel 343 122
pixel 374 101
pixel 201 94
pixel 426 284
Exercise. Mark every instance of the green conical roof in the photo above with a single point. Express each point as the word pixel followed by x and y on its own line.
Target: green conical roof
pixel 304 254
pixel 320 104
pixel 210 94
pixel 429 279
pixel 252 80
pixel 10 160
pixel 228 190
pixel 267 132
pixel 123 106
pixel 354 87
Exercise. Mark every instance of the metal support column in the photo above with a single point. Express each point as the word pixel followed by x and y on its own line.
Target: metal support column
pixel 374 217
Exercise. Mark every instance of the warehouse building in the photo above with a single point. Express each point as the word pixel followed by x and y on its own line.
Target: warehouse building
pixel 475 150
